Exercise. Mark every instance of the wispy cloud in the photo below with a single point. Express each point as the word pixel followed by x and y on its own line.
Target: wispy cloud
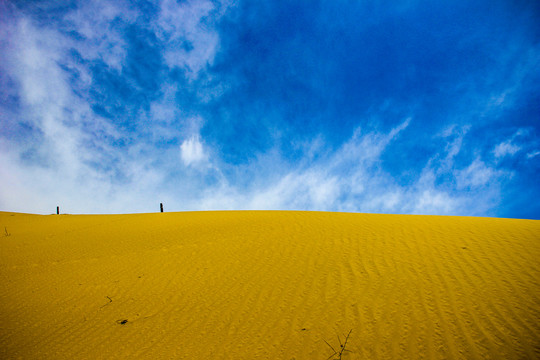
pixel 188 34
pixel 353 178
pixel 505 148
pixel 100 27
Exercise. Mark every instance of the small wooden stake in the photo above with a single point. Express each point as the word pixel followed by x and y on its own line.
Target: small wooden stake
pixel 57 210
pixel 161 206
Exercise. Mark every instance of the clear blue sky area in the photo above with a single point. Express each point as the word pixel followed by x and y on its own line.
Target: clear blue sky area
pixel 414 107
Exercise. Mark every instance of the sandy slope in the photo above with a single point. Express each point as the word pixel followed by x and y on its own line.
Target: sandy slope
pixel 268 285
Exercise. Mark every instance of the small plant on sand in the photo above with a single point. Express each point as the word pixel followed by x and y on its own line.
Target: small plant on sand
pixel 6 232
pixel 337 354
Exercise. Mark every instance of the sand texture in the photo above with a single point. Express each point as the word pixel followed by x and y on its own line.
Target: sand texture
pixel 268 285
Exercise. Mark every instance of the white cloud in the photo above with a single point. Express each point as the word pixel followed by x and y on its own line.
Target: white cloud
pixel 359 184
pixel 186 29
pixel 102 25
pixel 432 201
pixel 516 67
pixel 475 175
pixel 192 152
pixel 165 110
pixel 505 148
pixel 533 154
pixel 47 99
pixel 522 141
pixel 346 180
pixel 453 147
pixel 311 189
pixel 351 179
pixel 71 162
pixel 74 161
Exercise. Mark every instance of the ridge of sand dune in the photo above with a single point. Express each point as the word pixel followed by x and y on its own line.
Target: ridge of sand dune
pixel 268 285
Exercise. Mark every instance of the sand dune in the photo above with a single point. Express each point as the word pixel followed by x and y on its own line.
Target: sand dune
pixel 268 285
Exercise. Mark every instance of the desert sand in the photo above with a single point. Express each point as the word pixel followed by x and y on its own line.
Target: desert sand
pixel 268 285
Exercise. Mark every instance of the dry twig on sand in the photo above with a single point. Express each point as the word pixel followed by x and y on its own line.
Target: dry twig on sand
pixel 342 347
pixel 110 301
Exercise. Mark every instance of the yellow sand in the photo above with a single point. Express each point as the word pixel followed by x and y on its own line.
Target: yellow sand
pixel 268 285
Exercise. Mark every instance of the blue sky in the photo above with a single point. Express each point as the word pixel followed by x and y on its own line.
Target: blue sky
pixel 414 107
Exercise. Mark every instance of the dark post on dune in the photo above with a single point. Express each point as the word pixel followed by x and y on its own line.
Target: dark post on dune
pixel 57 210
pixel 161 207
